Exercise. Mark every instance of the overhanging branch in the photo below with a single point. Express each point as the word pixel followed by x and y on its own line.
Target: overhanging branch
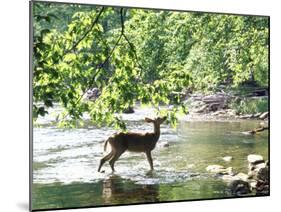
pixel 100 66
pixel 115 45
pixel 86 33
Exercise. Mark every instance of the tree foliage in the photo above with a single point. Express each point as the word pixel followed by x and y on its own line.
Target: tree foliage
pixel 136 55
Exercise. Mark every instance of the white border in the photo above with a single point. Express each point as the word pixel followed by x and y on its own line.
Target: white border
pixel 14 116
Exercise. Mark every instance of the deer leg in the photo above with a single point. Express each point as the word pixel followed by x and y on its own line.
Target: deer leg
pixel 115 158
pixel 104 159
pixel 149 158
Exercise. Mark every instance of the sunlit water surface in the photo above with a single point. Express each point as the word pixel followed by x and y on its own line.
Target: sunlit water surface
pixel 65 163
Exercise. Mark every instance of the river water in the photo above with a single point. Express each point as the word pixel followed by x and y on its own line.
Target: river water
pixel 65 163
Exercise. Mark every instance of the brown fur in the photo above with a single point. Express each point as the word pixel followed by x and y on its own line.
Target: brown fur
pixel 134 142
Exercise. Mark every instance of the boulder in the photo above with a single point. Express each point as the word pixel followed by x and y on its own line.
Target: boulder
pixel 263 174
pixel 262 188
pixel 241 184
pixel 260 166
pixel 254 169
pixel 255 159
pixel 239 187
pixel 259 173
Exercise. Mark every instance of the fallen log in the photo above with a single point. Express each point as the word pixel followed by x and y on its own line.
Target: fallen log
pixel 256 130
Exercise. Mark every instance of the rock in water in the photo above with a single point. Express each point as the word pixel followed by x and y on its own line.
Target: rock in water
pixel 259 174
pixel 218 169
pixel 239 176
pixel 239 187
pixel 262 186
pixel 227 158
pixel 129 110
pixel 242 176
pixel 214 168
pixel 263 174
pixel 255 159
pixel 229 178
pixel 254 169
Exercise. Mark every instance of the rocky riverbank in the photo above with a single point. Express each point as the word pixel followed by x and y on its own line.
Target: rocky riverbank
pixel 255 181
pixel 220 106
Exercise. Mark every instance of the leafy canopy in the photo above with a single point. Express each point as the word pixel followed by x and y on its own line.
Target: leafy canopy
pixel 136 55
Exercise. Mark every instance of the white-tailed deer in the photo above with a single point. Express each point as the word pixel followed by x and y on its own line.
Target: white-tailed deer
pixel 134 142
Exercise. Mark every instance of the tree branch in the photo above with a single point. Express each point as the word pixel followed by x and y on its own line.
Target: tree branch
pixel 134 50
pixel 100 66
pixel 87 32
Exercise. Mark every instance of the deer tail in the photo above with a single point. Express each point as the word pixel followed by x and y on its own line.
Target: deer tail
pixel 105 144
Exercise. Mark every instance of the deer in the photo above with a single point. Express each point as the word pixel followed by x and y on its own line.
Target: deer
pixel 133 142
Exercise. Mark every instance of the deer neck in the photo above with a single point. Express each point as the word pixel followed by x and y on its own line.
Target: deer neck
pixel 156 131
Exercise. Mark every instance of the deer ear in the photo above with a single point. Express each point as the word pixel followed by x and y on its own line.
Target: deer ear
pixel 148 120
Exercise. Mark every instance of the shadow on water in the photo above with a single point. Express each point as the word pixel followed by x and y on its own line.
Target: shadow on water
pixel 115 190
pixel 110 191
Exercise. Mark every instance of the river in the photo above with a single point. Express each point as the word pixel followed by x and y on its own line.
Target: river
pixel 65 163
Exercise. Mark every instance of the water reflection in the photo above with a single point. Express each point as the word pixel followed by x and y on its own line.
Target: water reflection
pixel 110 191
pixel 66 161
pixel 115 190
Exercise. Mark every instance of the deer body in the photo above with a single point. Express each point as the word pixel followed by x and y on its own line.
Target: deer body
pixel 134 142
